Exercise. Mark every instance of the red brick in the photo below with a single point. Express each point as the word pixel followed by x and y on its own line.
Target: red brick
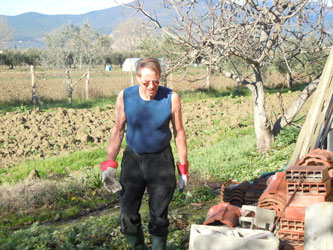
pixel 295 213
pixel 305 200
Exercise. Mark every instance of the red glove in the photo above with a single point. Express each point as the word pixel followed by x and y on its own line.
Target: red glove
pixel 183 176
pixel 109 171
pixel 109 164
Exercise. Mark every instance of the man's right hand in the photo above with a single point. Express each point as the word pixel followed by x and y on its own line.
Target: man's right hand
pixel 109 171
pixel 183 176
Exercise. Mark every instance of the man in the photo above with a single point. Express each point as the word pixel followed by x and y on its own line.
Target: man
pixel 147 109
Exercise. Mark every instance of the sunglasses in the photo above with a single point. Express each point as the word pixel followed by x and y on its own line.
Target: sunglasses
pixel 155 83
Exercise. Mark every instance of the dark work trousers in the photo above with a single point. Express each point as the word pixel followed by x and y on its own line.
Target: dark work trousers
pixel 155 171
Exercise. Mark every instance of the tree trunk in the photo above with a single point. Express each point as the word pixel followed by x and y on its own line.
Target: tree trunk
pixel 289 80
pixel 70 94
pixel 207 78
pixel 69 88
pixel 294 109
pixel 262 127
pixel 80 62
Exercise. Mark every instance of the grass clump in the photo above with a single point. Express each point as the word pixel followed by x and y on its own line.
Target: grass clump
pixel 95 233
pixel 233 155
pixel 60 165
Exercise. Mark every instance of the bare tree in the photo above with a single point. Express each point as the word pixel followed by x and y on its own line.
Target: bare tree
pixel 214 32
pixel 6 32
pixel 69 47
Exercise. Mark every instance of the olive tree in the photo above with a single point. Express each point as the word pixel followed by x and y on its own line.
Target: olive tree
pixel 103 49
pixel 213 32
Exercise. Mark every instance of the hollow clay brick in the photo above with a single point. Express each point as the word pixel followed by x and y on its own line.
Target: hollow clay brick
pixel 294 237
pixel 307 173
pixel 323 189
pixel 289 225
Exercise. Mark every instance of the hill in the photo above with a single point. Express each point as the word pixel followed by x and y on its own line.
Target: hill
pixel 31 27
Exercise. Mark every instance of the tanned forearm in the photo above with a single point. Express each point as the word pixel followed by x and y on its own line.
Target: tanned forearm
pixel 115 143
pixel 180 139
pixel 118 131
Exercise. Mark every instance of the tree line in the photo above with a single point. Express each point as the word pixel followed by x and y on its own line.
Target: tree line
pixel 38 58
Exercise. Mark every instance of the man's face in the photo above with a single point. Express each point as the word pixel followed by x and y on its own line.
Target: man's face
pixel 149 82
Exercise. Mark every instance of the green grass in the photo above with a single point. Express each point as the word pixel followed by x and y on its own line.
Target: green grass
pixel 234 155
pixel 62 165
pixel 26 106
pixel 201 94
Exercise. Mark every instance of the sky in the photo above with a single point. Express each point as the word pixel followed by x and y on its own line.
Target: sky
pixel 52 7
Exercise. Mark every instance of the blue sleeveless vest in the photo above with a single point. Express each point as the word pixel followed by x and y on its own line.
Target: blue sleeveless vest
pixel 148 128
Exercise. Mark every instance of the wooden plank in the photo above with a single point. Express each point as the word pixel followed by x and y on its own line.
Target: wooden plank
pixel 316 115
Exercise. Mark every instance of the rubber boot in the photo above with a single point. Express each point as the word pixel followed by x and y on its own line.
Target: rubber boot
pixel 158 243
pixel 137 241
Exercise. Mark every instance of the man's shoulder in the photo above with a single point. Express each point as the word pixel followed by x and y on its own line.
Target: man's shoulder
pixel 165 89
pixel 131 89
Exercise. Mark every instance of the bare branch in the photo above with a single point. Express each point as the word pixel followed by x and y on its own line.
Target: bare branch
pixel 84 75
pixel 288 116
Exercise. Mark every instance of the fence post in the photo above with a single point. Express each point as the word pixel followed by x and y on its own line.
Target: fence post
pixel 87 85
pixel 33 85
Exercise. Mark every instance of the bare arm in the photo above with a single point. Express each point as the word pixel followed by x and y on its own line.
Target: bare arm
pixel 117 133
pixel 178 128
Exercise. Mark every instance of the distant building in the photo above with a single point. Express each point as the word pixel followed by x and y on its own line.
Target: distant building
pixel 129 64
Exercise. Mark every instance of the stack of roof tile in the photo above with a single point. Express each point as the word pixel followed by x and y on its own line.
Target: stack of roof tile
pixel 253 194
pixel 234 192
pixel 275 195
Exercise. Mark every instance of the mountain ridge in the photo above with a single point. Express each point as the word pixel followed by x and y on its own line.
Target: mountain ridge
pixel 32 25
pixel 30 28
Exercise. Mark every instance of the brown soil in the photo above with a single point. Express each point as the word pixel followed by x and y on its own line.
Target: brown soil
pixel 37 134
